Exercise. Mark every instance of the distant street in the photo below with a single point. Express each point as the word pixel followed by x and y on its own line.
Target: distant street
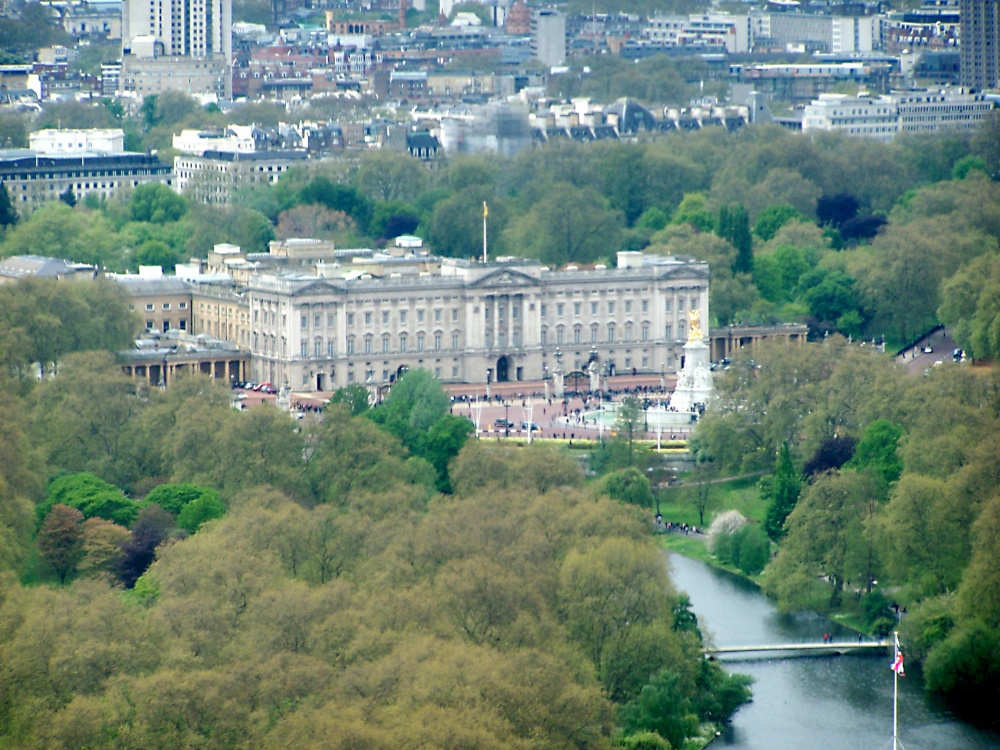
pixel 942 346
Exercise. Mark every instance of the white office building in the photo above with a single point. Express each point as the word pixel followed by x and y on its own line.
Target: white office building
pixel 906 112
pixel 179 45
pixel 51 142
pixel 548 37
pixel 701 29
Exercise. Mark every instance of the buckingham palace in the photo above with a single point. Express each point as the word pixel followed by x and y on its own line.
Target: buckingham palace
pixel 469 322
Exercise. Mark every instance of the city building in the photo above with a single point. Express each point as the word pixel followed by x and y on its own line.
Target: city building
pixel 980 47
pixel 220 310
pixel 180 45
pixel 18 267
pixel 902 112
pixel 235 139
pixel 93 18
pixel 813 32
pixel 519 19
pixel 934 25
pixel 723 30
pixel 471 322
pixel 160 358
pixel 53 141
pixel 85 162
pixel 548 37
pixel 800 83
pixel 163 302
pixel 213 176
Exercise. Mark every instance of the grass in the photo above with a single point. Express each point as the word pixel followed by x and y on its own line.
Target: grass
pixel 677 503
pixel 692 547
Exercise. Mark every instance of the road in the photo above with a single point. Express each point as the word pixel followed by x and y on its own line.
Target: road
pixel 942 346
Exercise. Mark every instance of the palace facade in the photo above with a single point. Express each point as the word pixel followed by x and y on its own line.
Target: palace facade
pixel 473 322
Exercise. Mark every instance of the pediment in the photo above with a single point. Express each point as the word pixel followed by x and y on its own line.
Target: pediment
pixel 506 278
pixel 686 271
pixel 320 286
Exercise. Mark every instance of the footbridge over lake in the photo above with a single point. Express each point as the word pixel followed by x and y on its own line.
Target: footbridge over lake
pixel 833 648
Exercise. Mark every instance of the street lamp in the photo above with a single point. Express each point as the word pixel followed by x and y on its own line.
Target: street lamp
pixel 506 418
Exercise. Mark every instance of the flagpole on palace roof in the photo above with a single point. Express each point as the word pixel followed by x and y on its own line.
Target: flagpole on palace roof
pixel 486 212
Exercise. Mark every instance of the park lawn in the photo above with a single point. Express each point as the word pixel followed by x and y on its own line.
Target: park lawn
pixel 677 504
pixel 689 546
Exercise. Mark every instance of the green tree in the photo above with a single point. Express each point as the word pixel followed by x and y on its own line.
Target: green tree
pixel 14 131
pixel 645 741
pixel 781 492
pixel 694 210
pixel 355 396
pixel 970 306
pixel 733 225
pixel 204 508
pixel 156 203
pixel 175 497
pixel 966 165
pixel 441 443
pixel 773 218
pixel 337 197
pixel 924 533
pixel 91 496
pixel 830 296
pixel 207 226
pixel 68 197
pixel 60 540
pixel 752 549
pixel 83 418
pixel 353 455
pixel 568 224
pixel 663 707
pixel 385 176
pixel 8 214
pixel 877 450
pixel 699 489
pixel 606 592
pixel 83 236
pixel 157 253
pixel 826 538
pixel 628 423
pixel 455 227
pixel 901 278
pixel 414 404
pixel 102 546
pixel 393 219
pixel 629 486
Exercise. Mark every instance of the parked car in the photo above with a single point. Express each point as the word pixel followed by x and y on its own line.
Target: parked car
pixel 529 426
pixel 502 424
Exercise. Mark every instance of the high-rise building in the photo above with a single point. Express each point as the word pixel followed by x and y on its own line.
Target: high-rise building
pixel 180 45
pixel 980 43
pixel 548 37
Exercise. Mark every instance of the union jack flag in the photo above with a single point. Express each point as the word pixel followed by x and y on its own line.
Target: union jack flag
pixel 897 665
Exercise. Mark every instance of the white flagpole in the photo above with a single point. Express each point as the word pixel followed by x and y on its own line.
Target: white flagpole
pixel 895 690
pixel 485 214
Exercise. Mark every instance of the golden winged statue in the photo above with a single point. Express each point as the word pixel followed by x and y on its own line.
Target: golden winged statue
pixel 694 318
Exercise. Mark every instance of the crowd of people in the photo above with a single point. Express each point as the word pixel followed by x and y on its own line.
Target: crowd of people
pixel 676 528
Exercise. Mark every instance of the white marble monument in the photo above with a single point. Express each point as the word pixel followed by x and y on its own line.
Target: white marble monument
pixel 694 383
